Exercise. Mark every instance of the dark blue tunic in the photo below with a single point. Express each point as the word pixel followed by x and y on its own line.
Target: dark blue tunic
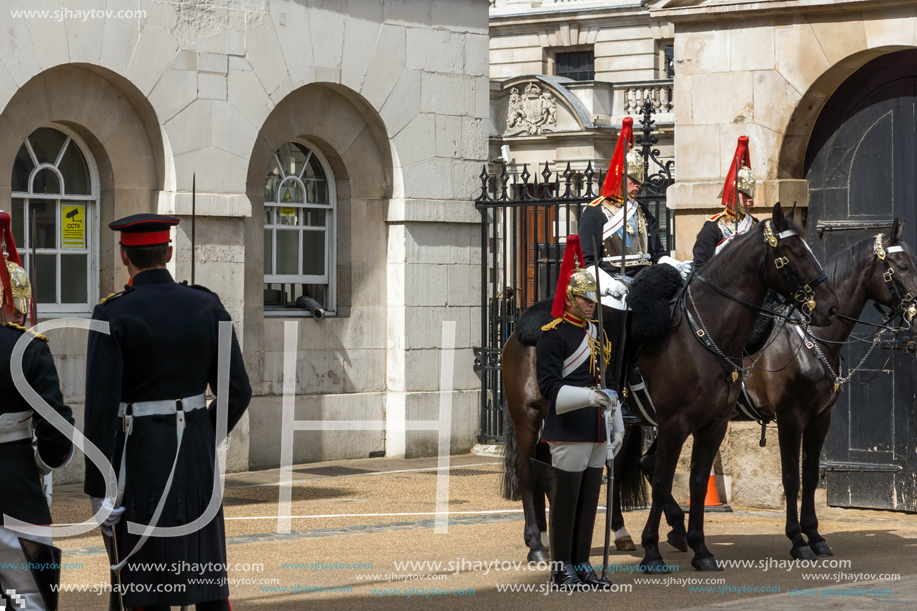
pixel 552 349
pixel 20 481
pixel 162 345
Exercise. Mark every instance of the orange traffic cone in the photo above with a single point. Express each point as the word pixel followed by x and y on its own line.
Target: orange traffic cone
pixel 713 496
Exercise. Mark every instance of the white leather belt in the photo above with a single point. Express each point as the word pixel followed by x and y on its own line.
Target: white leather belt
pixel 15 426
pixel 167 407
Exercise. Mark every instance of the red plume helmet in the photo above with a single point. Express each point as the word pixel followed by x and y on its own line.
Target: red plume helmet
pixel 611 188
pixel 742 159
pixel 6 236
pixel 573 260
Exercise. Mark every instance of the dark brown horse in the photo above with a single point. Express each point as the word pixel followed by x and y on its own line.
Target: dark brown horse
pixel 800 395
pixel 693 384
pixel 693 389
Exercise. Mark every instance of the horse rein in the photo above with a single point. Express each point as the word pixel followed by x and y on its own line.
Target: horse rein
pixel 803 294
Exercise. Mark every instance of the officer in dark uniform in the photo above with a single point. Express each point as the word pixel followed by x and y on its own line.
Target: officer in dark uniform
pixel 613 225
pixel 24 462
pixel 158 360
pixel 568 370
pixel 738 197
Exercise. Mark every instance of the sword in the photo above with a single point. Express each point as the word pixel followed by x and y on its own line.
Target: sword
pixel 111 546
pixel 609 464
pixel 193 219
pixel 735 199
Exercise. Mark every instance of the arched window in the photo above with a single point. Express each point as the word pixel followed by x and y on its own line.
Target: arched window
pixel 55 203
pixel 299 224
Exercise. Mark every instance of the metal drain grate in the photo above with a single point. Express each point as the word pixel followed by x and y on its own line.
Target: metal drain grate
pixel 461 472
pixel 334 471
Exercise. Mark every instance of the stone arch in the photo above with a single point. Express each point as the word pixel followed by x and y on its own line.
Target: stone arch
pixel 804 116
pixel 353 139
pixel 116 122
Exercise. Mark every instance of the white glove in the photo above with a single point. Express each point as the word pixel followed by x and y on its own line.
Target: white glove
pixel 683 267
pixel 614 427
pixel 113 518
pixel 572 398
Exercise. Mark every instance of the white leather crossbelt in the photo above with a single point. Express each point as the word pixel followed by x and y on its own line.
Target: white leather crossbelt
pixel 15 426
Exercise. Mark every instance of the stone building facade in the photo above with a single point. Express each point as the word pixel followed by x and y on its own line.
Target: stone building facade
pixel 333 148
pixel 793 76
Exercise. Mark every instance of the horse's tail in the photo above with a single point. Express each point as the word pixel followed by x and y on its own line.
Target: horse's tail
pixel 510 457
pixel 633 484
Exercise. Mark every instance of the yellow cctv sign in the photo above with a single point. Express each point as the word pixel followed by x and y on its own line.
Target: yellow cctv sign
pixel 73 226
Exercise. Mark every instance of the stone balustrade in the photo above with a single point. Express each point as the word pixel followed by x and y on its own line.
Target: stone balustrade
pixel 629 97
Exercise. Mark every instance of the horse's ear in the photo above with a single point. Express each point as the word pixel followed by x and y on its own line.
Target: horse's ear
pixel 778 217
pixel 792 215
pixel 893 234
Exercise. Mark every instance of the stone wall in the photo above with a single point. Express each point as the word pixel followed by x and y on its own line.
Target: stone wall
pixel 394 93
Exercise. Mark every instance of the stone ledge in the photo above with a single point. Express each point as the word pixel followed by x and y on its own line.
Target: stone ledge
pixel 207 204
pixel 431 211
pixel 703 194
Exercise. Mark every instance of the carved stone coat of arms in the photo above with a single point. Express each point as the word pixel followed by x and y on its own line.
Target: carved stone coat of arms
pixel 533 111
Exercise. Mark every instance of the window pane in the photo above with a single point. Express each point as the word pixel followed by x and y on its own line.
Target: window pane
pixel 272 294
pixel 22 168
pixel 288 215
pixel 292 157
pixel 313 253
pixel 73 284
pixel 18 222
pixel 75 172
pixel 268 215
pixel 46 266
pixel 287 252
pixel 47 143
pixel 45 219
pixel 268 250
pixel 314 218
pixel 315 169
pixel 274 176
pixel 46 181
pixel 290 193
pixel 316 191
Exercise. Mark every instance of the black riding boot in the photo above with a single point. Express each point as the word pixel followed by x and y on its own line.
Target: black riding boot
pixel 586 510
pixel 562 489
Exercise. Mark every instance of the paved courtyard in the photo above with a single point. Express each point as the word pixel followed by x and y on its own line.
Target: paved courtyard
pixel 363 536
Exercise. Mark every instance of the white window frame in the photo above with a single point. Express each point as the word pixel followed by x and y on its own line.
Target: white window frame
pixel 330 276
pixel 92 224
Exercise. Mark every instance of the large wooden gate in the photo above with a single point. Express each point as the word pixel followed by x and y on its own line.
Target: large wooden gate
pixel 861 165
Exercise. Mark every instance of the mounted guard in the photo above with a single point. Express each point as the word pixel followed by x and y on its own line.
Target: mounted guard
pixel 737 198
pixel 569 365
pixel 628 236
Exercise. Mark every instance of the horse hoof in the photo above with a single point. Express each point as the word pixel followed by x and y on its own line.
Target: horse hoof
pixel 654 567
pixel 625 544
pixel 803 552
pixel 679 542
pixel 821 549
pixel 706 564
pixel 538 555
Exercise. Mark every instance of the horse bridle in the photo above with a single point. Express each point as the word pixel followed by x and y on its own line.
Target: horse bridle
pixel 803 292
pixel 907 308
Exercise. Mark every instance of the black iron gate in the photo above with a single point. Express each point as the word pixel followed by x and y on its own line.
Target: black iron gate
pixel 861 165
pixel 525 219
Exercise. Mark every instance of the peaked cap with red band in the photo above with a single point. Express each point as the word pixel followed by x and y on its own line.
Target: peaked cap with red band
pixel 743 159
pixel 572 267
pixel 144 229
pixel 611 187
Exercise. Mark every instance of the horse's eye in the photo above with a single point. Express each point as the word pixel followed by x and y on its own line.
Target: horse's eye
pixel 799 254
pixel 903 267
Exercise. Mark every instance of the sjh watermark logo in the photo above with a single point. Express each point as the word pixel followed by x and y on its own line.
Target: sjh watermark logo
pixel 18 600
pixel 396 425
